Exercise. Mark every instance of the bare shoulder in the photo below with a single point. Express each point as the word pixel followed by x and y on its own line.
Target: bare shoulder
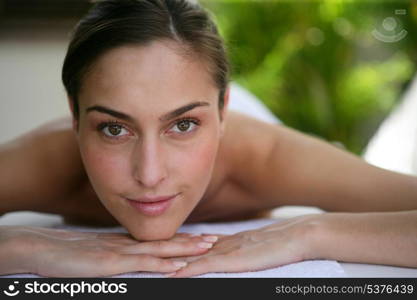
pixel 244 140
pixel 43 164
pixel 243 148
pixel 247 142
pixel 278 165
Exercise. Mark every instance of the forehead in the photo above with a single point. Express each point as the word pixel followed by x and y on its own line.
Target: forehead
pixel 159 71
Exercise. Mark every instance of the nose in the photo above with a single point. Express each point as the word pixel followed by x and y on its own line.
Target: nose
pixel 149 166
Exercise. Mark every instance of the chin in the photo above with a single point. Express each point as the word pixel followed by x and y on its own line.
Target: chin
pixel 153 233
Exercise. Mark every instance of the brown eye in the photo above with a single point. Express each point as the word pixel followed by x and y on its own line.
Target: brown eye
pixel 183 125
pixel 186 125
pixel 113 130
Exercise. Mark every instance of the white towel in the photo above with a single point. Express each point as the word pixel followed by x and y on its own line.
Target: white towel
pixel 243 101
pixel 312 268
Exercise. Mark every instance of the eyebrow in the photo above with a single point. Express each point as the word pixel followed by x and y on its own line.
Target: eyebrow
pixel 166 117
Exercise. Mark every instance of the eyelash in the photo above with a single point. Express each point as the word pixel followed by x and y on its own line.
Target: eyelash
pixel 103 125
pixel 195 121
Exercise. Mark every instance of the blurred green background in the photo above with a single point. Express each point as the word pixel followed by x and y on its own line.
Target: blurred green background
pixel 334 69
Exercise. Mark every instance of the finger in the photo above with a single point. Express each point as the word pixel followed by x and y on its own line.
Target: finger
pixel 105 242
pixel 214 234
pixel 149 263
pixel 118 243
pixel 204 265
pixel 186 234
pixel 183 237
pixel 212 252
pixel 167 248
pixel 81 235
pixel 108 235
pixel 190 258
pixel 126 263
pixel 229 263
pixel 196 237
pixel 106 263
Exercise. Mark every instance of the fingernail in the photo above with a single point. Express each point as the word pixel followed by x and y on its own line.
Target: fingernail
pixel 205 245
pixel 180 264
pixel 170 274
pixel 211 238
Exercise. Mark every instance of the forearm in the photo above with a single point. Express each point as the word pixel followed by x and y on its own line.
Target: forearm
pixel 345 183
pixel 376 238
pixel 12 252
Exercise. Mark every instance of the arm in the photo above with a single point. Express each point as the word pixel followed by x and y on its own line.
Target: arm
pixel 287 167
pixel 283 167
pixel 302 170
pixel 376 238
pixel 380 238
pixel 62 253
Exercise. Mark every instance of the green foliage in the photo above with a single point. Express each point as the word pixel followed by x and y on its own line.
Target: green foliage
pixel 317 64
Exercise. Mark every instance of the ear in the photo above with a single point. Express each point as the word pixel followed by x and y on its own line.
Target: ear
pixel 223 112
pixel 74 120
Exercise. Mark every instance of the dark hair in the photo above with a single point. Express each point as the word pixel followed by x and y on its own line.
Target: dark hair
pixel 113 23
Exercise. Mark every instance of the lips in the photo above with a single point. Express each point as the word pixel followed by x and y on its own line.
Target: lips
pixel 153 199
pixel 152 206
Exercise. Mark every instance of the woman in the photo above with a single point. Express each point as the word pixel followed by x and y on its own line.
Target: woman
pixel 152 146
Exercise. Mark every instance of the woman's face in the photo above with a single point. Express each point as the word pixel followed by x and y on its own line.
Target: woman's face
pixel 149 126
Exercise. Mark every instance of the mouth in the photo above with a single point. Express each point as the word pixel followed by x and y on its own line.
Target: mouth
pixel 152 206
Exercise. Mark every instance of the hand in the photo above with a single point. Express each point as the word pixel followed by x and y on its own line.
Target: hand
pixel 271 246
pixel 62 253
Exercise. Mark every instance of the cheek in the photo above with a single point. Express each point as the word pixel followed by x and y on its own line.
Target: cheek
pixel 197 161
pixel 106 169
